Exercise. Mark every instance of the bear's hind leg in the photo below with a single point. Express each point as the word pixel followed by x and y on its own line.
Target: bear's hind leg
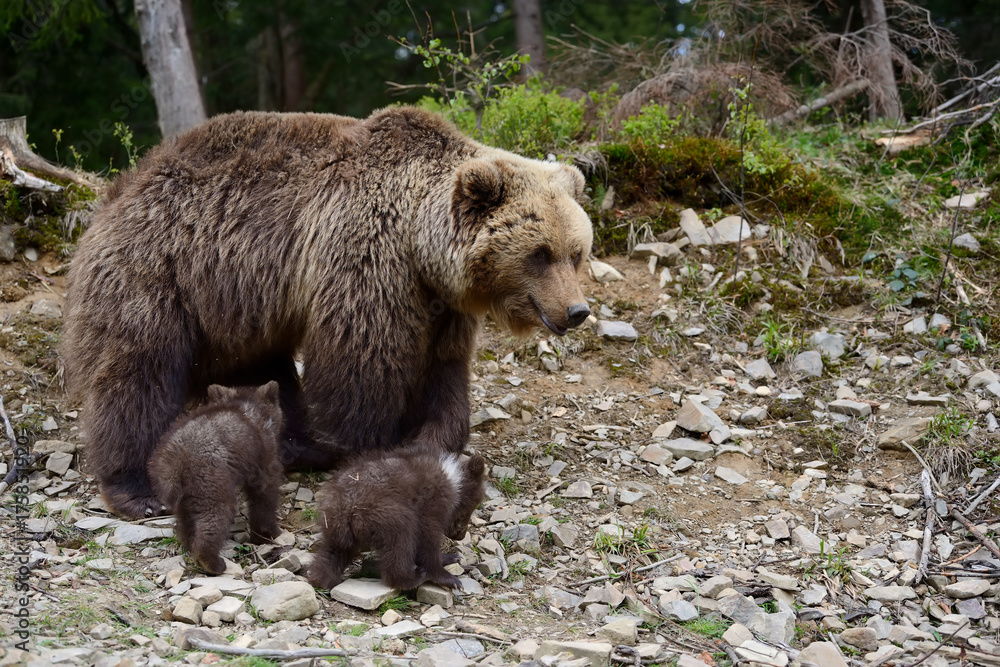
pixel 262 511
pixel 211 520
pixel 329 563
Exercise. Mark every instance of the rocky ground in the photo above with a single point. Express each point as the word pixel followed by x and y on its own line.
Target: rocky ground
pixel 705 474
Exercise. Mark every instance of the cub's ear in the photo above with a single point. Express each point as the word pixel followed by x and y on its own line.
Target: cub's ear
pixel 570 179
pixel 475 466
pixel 480 186
pixel 216 392
pixel 269 392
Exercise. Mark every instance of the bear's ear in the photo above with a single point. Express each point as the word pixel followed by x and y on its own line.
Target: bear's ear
pixel 479 187
pixel 269 392
pixel 475 467
pixel 216 392
pixel 571 180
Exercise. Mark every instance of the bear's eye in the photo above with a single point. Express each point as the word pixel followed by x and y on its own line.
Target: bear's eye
pixel 577 258
pixel 542 256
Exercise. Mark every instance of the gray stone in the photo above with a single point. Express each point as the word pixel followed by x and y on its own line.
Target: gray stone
pixel 808 364
pixel 679 610
pixel 806 540
pixel 980 379
pixel 685 582
pixel 712 586
pixel 688 448
pixel 432 594
pixel 829 345
pixel 286 601
pixel 604 273
pixel 227 608
pixel 687 660
pixel 133 534
pixel 101 631
pixel 695 416
pixel 559 598
pixel 967 588
pixel 682 464
pixel 820 654
pixel 523 531
pixel 694 228
pixel 657 455
pixel 759 369
pixel 972 607
pixel 206 595
pixel 183 636
pixel 396 630
pixel 739 608
pixel 187 610
pixel 939 323
pixel 468 648
pixel 8 247
pixel 778 627
pixel 665 253
pixel 968 200
pixel 487 415
pixel 626 497
pixel 616 331
pixel 923 398
pixel 49 446
pixel 916 326
pixel 908 429
pixel 578 489
pixel 599 653
pixel 784 582
pixel 729 230
pixel 850 408
pixel 46 308
pixel 890 593
pixel 777 529
pixel 564 535
pixel 619 632
pixel 271 575
pixel 58 463
pixel 730 475
pixel 862 638
pixel 754 416
pixel 737 634
pixel 441 656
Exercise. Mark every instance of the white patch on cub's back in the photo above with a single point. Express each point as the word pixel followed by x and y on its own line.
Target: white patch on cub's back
pixel 452 470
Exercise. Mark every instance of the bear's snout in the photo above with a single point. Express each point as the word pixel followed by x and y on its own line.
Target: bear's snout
pixel 576 314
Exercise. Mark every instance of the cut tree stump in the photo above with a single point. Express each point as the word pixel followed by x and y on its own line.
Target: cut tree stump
pixel 16 156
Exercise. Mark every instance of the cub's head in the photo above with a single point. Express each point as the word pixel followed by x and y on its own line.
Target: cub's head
pixel 262 404
pixel 528 235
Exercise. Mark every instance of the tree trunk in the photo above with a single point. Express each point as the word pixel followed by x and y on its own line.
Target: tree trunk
pixel 883 92
pixel 167 54
pixel 16 155
pixel 530 34
pixel 267 48
pixel 293 77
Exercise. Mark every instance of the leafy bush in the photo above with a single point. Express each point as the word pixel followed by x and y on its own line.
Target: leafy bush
pixel 524 119
pixel 654 125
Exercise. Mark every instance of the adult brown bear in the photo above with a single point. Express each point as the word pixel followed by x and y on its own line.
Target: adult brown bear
pixel 372 248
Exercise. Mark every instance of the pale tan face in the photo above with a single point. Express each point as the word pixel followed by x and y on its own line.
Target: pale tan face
pixel 537 242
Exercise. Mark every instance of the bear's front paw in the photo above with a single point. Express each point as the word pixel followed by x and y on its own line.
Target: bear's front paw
pixel 450 559
pixel 213 564
pixel 125 503
pixel 447 580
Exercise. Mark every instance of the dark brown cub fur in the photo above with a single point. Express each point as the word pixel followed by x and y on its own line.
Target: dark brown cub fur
pixel 212 452
pixel 400 504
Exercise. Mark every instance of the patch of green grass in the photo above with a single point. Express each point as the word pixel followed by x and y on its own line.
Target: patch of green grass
pixel 779 340
pixel 397 603
pixel 310 513
pixel 711 626
pixel 507 486
pixel 833 563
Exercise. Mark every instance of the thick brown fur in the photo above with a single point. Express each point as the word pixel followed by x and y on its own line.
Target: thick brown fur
pixel 371 248
pixel 399 504
pixel 231 443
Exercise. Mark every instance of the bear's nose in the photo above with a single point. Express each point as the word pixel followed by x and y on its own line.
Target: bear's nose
pixel 576 314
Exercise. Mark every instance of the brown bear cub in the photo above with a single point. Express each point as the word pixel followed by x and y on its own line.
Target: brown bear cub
pixel 208 455
pixel 399 503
